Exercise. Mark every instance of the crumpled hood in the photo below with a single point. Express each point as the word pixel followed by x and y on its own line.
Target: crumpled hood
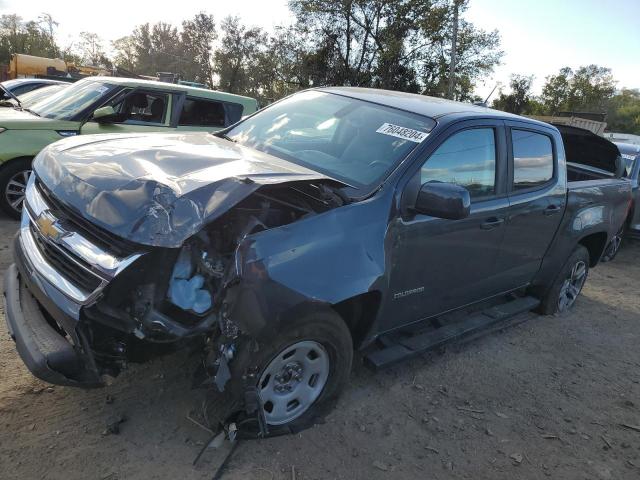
pixel 157 189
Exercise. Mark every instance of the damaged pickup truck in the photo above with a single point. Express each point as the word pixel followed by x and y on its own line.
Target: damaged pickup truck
pixel 333 220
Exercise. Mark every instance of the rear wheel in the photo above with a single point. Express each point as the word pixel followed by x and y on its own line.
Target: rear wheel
pixel 13 183
pixel 613 247
pixel 568 283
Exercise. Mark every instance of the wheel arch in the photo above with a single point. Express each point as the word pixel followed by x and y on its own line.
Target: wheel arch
pixel 359 313
pixel 13 160
pixel 595 244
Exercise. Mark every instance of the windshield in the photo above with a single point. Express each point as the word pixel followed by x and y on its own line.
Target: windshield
pixel 70 101
pixel 9 84
pixel 34 96
pixel 351 140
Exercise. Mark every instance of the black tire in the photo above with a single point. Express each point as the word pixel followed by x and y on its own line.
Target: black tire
pixel 551 302
pixel 9 192
pixel 324 327
pixel 614 246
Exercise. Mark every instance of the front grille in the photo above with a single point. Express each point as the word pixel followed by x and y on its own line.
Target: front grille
pixel 70 268
pixel 72 221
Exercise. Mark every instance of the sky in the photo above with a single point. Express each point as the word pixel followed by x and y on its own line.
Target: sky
pixel 538 36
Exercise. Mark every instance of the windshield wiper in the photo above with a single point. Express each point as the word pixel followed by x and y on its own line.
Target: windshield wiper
pixel 31 111
pixel 10 94
pixel 225 136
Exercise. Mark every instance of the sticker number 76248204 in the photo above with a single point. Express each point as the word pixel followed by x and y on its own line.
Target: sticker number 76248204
pixel 402 132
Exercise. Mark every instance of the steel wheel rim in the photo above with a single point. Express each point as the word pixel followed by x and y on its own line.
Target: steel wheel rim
pixel 293 380
pixel 14 192
pixel 572 286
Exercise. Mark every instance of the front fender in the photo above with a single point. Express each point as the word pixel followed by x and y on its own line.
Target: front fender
pixel 319 261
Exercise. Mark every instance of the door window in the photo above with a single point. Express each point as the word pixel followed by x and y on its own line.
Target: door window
pixel 532 159
pixel 468 159
pixel 138 107
pixel 209 113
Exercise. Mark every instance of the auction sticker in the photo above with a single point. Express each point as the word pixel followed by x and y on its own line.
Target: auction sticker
pixel 402 132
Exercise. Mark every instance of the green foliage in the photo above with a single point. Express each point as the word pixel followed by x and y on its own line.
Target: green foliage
pixel 588 89
pixel 91 50
pixel 197 39
pixel 519 100
pixel 31 37
pixel 393 44
pixel 125 52
pixel 238 57
pixel 623 112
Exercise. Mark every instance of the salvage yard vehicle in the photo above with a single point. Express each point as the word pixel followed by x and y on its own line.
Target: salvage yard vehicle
pixel 333 220
pixel 590 156
pixel 631 227
pixel 631 158
pixel 20 86
pixel 25 100
pixel 104 105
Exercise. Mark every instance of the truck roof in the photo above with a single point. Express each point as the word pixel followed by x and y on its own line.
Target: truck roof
pixel 432 107
pixel 195 91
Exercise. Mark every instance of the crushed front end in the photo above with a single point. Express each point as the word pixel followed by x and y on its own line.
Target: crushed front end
pixel 62 267
pixel 81 302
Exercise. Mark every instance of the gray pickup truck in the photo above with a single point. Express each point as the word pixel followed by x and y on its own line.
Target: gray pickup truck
pixel 333 220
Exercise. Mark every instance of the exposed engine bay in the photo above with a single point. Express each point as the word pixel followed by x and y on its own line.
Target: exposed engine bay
pixel 178 296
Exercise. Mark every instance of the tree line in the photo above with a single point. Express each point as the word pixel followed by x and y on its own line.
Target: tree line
pixel 394 44
pixel 589 88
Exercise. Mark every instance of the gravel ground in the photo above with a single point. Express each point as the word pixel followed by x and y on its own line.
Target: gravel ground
pixel 547 398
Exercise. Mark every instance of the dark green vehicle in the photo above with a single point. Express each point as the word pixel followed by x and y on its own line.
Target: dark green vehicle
pixel 105 105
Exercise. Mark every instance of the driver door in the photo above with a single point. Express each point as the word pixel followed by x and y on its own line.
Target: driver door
pixel 139 110
pixel 437 264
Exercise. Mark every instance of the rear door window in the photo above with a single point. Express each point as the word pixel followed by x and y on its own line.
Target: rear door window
pixel 209 113
pixel 532 159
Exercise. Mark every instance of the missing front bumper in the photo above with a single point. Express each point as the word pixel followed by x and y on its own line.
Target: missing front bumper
pixel 46 353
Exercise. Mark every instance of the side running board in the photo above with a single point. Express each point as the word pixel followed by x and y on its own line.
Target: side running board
pixel 397 347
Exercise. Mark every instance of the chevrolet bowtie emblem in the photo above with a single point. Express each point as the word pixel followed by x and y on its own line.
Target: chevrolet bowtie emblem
pixel 48 228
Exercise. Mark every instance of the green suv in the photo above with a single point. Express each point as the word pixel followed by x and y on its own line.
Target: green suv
pixel 105 105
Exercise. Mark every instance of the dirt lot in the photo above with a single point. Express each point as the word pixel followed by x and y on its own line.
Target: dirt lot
pixel 547 398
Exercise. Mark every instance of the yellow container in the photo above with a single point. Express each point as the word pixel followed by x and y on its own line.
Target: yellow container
pixel 27 65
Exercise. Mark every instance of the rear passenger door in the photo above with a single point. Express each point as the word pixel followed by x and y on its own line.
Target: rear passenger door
pixel 208 114
pixel 537 197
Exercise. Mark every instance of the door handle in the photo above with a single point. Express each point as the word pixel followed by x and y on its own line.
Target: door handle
pixel 491 223
pixel 551 210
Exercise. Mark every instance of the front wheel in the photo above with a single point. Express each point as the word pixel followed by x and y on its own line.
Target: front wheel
pixel 568 284
pixel 300 370
pixel 13 184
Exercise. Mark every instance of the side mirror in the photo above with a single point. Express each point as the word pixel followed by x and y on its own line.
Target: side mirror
pixel 104 115
pixel 443 200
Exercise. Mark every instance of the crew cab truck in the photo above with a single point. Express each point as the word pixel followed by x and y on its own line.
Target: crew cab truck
pixel 104 105
pixel 337 218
